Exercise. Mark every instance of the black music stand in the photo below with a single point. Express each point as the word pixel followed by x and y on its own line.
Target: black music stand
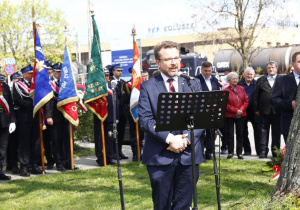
pixel 189 111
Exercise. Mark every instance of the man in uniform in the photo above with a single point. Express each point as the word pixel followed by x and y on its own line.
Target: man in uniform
pixel 12 148
pixel 132 125
pixel 7 124
pixel 58 125
pixel 108 126
pixel 46 136
pixel 28 127
pixel 117 73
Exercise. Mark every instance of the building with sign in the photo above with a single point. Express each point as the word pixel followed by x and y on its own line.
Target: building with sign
pixel 211 43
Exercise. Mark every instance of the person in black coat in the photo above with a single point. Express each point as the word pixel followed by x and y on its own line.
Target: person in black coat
pixel 208 83
pixel 284 94
pixel 268 114
pixel 123 109
pixel 12 147
pixel 28 127
pixel 58 126
pixel 7 124
pixel 248 82
pixel 108 126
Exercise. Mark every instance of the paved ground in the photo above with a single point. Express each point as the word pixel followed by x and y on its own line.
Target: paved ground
pixel 89 162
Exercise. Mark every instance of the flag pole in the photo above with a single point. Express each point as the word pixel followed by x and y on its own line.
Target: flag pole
pixel 71 145
pixel 103 143
pixel 137 122
pixel 40 111
pixel 70 124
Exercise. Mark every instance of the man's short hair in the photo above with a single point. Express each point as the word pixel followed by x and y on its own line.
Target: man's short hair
pixel 206 64
pixel 272 63
pixel 249 68
pixel 164 44
pixel 295 55
pixel 143 72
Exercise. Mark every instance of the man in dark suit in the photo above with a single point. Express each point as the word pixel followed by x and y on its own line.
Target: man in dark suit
pixel 108 126
pixel 117 73
pixel 167 154
pixel 268 114
pixel 248 82
pixel 208 83
pixel 28 127
pixel 7 124
pixel 284 94
pixel 58 126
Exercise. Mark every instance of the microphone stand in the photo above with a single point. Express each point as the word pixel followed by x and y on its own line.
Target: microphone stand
pixel 115 138
pixel 191 129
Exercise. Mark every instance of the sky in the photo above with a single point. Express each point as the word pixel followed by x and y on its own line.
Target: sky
pixel 152 18
pixel 115 18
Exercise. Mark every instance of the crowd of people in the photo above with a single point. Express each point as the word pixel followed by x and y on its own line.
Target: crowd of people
pixel 266 102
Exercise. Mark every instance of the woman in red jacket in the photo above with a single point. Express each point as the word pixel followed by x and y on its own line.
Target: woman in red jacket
pixel 235 113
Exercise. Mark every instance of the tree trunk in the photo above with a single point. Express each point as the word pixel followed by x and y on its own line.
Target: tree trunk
pixel 289 180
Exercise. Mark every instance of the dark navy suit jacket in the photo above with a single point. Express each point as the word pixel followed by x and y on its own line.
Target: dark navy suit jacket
pixel 155 150
pixel 284 92
pixel 215 85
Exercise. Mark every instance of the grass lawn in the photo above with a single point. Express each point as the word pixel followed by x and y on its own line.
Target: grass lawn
pixel 241 182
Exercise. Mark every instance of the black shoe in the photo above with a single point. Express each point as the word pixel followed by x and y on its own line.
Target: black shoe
pixel 36 169
pixel 204 160
pixel 8 167
pixel 100 163
pixel 262 155
pixel 122 156
pixel 230 156
pixel 247 153
pixel 60 167
pixel 240 157
pixel 135 158
pixel 50 165
pixel 70 168
pixel 4 177
pixel 208 157
pixel 15 170
pixel 223 151
pixel 110 162
pixel 115 156
pixel 24 171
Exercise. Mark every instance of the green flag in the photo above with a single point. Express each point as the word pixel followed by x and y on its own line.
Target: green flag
pixel 96 91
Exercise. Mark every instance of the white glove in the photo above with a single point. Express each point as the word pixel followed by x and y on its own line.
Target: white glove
pixel 12 127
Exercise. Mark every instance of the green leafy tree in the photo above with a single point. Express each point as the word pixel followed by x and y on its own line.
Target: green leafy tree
pixel 16 31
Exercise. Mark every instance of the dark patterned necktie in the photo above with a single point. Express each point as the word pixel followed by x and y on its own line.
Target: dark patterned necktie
pixel 171 87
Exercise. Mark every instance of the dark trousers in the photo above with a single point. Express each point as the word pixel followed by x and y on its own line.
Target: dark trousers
pixel 172 185
pixel 121 131
pixel 133 139
pixel 253 118
pixel 59 134
pixel 29 143
pixel 206 142
pixel 12 149
pixel 230 121
pixel 265 122
pixel 4 136
pixel 48 146
pixel 98 140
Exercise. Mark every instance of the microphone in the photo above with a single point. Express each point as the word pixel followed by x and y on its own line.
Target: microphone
pixel 113 84
pixel 181 74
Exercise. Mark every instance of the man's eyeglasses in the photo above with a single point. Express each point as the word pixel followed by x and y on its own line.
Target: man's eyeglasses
pixel 170 59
